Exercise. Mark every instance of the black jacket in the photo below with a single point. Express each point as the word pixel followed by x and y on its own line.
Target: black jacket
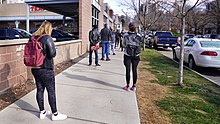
pixel 94 37
pixel 49 51
pixel 106 34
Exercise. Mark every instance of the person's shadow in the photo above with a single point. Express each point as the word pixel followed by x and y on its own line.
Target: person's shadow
pixel 24 106
pixel 84 78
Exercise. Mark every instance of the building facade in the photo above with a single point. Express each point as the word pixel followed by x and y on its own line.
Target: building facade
pixel 77 17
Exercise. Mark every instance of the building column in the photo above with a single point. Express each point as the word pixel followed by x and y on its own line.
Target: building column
pixel 27 18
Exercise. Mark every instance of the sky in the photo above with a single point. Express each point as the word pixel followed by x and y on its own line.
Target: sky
pixel 115 5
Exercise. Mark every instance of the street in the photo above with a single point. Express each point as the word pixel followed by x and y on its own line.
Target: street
pixel 211 73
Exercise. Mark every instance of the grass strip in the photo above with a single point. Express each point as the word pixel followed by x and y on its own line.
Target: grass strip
pixel 197 103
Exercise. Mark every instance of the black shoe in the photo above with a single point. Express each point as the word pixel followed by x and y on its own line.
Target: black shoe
pixel 108 59
pixel 98 65
pixel 90 64
pixel 113 53
pixel 102 58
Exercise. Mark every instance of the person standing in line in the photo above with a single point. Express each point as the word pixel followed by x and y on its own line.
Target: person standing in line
pixel 131 43
pixel 94 38
pixel 44 75
pixel 105 39
pixel 121 38
pixel 113 42
pixel 117 36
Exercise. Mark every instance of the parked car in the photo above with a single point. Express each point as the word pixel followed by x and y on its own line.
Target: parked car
pixel 60 35
pixel 187 36
pixel 13 33
pixel 163 39
pixel 211 36
pixel 148 38
pixel 201 52
pixel 198 36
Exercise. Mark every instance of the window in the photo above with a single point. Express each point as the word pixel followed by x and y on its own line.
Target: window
pixel 105 20
pixel 190 43
pixel 95 16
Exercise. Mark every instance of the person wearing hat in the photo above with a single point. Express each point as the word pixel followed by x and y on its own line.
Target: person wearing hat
pixel 132 49
pixel 94 38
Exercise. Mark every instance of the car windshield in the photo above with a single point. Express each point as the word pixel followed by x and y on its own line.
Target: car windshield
pixel 190 35
pixel 213 44
pixel 24 33
pixel 63 33
pixel 163 34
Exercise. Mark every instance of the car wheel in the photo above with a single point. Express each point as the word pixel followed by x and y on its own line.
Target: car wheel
pixel 174 56
pixel 192 63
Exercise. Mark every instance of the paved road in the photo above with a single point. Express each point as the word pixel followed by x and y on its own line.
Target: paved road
pixel 211 73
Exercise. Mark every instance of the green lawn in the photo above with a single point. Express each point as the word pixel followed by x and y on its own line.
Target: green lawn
pixel 197 103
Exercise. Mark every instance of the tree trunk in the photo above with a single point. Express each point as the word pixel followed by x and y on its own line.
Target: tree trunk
pixel 180 76
pixel 144 41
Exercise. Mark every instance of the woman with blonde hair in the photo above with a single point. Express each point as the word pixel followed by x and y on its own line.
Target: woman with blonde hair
pixel 44 75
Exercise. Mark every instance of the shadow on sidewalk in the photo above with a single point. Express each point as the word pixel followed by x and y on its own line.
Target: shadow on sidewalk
pixel 79 63
pixel 23 105
pixel 84 78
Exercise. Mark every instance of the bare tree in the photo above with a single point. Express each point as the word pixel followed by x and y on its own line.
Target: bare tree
pixel 196 20
pixel 178 9
pixel 213 13
pixel 147 13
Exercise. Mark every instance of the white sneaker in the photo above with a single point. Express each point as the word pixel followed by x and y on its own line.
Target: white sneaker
pixel 43 114
pixel 59 117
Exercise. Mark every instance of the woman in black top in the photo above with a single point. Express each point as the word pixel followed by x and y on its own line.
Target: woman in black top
pixel 131 43
pixel 44 75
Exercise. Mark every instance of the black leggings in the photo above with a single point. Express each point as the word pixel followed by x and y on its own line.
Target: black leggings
pixel 45 79
pixel 127 62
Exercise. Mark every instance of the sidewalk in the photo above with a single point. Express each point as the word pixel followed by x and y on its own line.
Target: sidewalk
pixel 87 94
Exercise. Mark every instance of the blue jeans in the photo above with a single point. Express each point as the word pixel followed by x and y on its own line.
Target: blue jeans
pixel 105 49
pixel 96 56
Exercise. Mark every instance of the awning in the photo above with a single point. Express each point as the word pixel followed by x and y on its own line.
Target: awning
pixel 68 8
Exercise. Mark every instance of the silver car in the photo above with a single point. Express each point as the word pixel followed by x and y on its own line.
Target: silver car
pixel 200 52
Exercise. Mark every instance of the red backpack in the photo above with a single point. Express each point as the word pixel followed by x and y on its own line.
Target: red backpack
pixel 33 52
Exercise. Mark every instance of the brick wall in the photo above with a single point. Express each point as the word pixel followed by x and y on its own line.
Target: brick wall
pixel 12 69
pixel 101 18
pixel 85 22
pixel 67 51
pixel 11 66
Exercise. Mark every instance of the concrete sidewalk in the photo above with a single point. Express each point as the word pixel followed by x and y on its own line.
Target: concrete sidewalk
pixel 87 94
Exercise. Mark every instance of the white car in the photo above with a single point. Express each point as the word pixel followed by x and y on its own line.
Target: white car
pixel 201 52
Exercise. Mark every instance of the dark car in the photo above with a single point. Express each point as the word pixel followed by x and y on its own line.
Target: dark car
pixel 61 35
pixel 211 36
pixel 163 39
pixel 187 36
pixel 13 33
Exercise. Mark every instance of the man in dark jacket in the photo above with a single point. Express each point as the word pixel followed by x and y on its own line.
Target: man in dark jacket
pixel 105 38
pixel 94 38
